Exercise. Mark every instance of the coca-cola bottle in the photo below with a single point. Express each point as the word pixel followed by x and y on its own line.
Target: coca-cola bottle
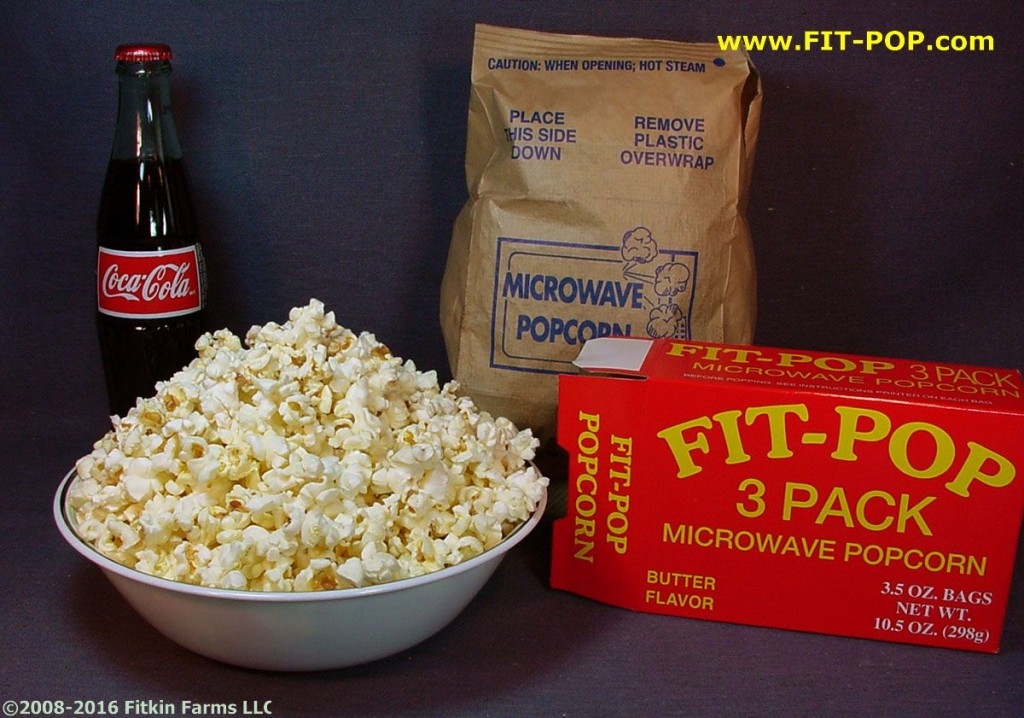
pixel 151 279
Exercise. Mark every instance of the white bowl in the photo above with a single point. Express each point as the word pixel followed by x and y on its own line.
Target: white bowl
pixel 285 631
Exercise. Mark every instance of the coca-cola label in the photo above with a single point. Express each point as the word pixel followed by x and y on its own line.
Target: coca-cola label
pixel 149 285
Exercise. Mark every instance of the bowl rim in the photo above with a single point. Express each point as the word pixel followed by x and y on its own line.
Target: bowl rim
pixel 66 526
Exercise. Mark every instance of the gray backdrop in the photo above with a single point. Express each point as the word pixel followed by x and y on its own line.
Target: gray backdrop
pixel 325 142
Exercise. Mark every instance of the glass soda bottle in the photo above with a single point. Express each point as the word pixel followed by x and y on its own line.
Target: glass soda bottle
pixel 151 278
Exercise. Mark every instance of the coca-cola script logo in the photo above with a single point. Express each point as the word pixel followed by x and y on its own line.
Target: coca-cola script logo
pixel 149 285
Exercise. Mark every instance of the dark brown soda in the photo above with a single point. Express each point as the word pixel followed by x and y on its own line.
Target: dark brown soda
pixel 145 205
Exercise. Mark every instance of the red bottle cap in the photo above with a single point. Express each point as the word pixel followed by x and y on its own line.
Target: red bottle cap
pixel 142 52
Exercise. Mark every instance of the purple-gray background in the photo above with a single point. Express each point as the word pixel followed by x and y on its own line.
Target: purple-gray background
pixel 325 141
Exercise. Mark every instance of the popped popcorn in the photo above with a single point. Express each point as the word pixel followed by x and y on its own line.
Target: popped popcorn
pixel 309 459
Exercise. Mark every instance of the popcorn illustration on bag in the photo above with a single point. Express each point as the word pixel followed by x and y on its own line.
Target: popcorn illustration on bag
pixel 670 281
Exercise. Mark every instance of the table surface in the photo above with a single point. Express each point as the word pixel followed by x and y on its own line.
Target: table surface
pixel 326 144
pixel 520 648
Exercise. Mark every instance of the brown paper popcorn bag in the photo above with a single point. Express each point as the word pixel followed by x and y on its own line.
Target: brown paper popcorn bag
pixel 608 182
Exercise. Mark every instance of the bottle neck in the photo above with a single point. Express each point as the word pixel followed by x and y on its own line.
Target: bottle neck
pixel 145 124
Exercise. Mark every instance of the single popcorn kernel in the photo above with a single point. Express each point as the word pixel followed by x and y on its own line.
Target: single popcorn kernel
pixel 308 459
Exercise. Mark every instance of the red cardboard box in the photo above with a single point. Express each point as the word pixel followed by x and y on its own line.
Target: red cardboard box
pixel 856 496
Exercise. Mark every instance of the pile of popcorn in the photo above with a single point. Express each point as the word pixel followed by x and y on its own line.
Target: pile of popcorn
pixel 310 459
